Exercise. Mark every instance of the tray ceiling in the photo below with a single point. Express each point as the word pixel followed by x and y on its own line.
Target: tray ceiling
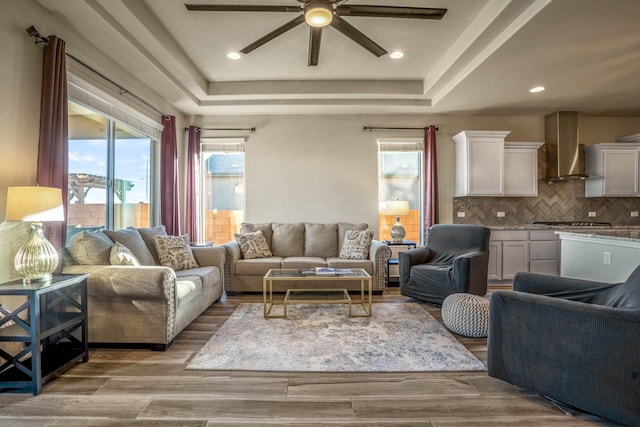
pixel 482 57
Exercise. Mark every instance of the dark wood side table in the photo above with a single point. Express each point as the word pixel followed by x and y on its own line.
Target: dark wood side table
pixel 393 278
pixel 52 323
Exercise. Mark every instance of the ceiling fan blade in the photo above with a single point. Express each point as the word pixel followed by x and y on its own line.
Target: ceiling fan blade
pixel 240 8
pixel 273 34
pixel 392 12
pixel 357 36
pixel 315 37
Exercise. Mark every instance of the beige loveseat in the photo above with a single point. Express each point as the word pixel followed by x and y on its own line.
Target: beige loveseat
pixel 301 245
pixel 142 304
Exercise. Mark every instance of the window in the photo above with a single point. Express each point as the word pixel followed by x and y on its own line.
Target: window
pixel 400 169
pixel 222 173
pixel 111 172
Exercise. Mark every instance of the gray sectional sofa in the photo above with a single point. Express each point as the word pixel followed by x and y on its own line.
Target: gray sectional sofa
pixel 141 304
pixel 301 245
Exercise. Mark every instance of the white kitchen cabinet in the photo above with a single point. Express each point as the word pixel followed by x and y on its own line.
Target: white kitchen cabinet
pixel 508 254
pixel 486 165
pixel 613 169
pixel 521 168
pixel 479 159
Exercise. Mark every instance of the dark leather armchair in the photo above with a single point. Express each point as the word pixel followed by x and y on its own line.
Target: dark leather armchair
pixel 455 259
pixel 574 341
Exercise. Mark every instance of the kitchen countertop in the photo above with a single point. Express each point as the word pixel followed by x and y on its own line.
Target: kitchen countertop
pixel 584 229
pixel 621 235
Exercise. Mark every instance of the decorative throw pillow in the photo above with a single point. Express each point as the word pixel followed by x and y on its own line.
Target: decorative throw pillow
pixel 343 227
pixel 90 248
pixel 321 240
pixel 131 238
pixel 121 255
pixel 175 252
pixel 356 244
pixel 148 234
pixel 253 245
pixel 265 227
pixel 287 239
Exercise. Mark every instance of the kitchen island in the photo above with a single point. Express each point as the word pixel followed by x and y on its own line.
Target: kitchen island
pixel 601 255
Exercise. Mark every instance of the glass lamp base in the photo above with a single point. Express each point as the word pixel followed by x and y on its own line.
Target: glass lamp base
pixel 42 278
pixel 397 232
pixel 37 259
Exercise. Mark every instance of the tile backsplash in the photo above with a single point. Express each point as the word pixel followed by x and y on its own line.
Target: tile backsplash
pixel 563 201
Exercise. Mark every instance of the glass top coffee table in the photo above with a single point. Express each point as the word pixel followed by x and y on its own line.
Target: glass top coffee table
pixel 297 294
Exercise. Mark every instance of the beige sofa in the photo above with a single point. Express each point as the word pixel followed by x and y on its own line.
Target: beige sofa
pixel 301 245
pixel 145 304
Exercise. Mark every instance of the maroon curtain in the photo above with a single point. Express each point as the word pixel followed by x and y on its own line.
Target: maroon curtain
pixel 193 188
pixel 53 148
pixel 169 215
pixel 430 178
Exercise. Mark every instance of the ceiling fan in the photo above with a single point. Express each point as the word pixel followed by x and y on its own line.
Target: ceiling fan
pixel 321 13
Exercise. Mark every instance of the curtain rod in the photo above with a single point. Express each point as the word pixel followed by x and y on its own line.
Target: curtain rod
pixel 42 39
pixel 198 129
pixel 372 128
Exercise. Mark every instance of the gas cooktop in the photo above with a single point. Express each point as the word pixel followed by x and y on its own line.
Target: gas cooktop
pixel 573 223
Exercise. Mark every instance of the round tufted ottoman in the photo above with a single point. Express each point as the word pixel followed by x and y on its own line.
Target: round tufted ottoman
pixel 466 314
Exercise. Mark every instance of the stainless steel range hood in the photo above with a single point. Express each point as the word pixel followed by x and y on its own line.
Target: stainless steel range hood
pixel 564 157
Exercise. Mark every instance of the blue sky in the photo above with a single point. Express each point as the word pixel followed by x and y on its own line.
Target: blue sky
pixel 132 163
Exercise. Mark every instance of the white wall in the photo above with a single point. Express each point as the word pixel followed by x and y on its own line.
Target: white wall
pixel 316 169
pixel 20 77
pixel 325 168
pixel 594 130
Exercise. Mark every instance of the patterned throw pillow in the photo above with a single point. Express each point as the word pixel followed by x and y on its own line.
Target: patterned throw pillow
pixel 175 252
pixel 121 255
pixel 356 244
pixel 253 245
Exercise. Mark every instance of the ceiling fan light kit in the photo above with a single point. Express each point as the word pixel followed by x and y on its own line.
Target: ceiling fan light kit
pixel 322 13
pixel 318 13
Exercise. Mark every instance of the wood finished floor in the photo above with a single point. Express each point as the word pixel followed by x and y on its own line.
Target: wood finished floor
pixel 124 387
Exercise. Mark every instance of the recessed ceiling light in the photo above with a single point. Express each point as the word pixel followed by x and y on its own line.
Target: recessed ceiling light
pixel 234 55
pixel 396 54
pixel 536 89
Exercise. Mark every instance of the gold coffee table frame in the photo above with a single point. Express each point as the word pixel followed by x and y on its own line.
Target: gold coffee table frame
pixel 290 275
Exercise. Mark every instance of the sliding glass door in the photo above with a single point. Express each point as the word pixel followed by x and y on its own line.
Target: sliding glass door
pixel 133 168
pixel 111 170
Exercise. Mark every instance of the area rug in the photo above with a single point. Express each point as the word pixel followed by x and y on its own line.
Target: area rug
pixel 399 337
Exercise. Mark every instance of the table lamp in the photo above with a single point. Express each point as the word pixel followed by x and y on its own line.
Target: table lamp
pixel 38 258
pixel 397 208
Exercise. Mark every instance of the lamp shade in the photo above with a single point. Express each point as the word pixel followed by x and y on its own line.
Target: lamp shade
pixel 397 208
pixel 34 204
pixel 318 13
